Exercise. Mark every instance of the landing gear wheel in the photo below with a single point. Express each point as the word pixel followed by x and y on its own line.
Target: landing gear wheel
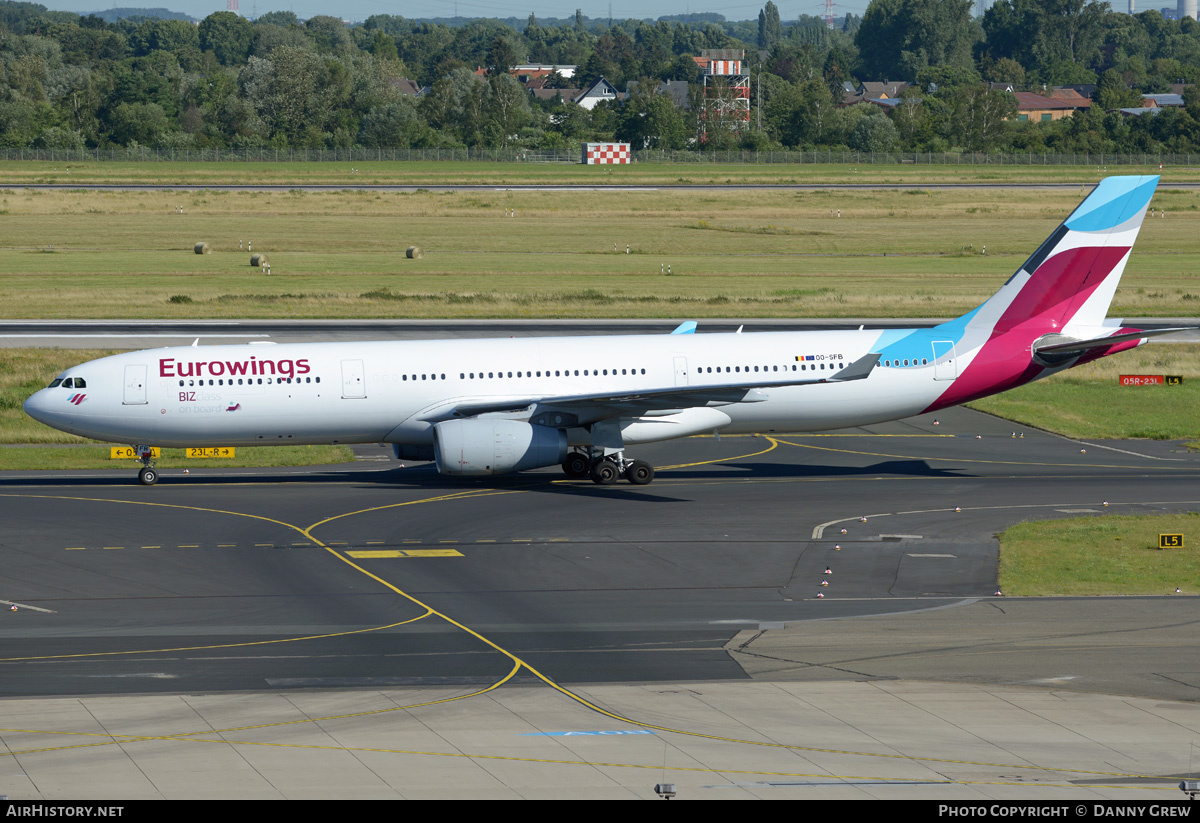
pixel 639 473
pixel 604 473
pixel 148 476
pixel 576 465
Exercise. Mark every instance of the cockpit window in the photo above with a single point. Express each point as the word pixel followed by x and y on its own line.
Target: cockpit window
pixel 68 383
pixel 79 384
pixel 57 380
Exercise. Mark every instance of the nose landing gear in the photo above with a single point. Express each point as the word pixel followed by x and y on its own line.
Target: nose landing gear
pixel 148 475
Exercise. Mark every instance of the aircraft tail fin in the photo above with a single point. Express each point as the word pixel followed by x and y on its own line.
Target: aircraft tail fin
pixel 1052 312
pixel 1069 282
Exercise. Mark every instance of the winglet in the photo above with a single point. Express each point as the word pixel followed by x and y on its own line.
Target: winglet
pixel 686 327
pixel 857 370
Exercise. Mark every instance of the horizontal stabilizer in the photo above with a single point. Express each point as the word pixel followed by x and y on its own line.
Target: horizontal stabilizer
pixel 1055 344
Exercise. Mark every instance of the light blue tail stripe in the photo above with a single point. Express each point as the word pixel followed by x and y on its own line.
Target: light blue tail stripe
pixel 1113 202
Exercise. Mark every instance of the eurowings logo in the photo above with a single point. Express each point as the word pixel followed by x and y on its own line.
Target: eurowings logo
pixel 170 367
pixel 76 399
pixel 234 407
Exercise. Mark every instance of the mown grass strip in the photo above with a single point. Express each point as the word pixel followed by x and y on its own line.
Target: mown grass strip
pixel 1103 554
pixel 907 253
pixel 700 172
pixel 1088 402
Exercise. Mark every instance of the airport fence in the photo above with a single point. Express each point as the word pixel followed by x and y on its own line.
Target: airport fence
pixel 364 155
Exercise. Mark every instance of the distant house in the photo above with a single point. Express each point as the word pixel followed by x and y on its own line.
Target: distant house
pixel 1008 87
pixel 872 91
pixel 1139 111
pixel 566 95
pixel 677 90
pixel 1042 108
pixel 536 75
pixel 1069 94
pixel 599 92
pixel 885 103
pixel 405 86
pixel 565 69
pixel 1161 100
pixel 882 91
pixel 1083 89
pixel 1153 104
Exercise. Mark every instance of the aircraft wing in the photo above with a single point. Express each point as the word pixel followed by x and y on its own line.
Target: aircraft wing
pixel 672 397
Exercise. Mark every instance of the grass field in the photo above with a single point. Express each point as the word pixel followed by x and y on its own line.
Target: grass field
pixel 1087 402
pixel 415 173
pixel 738 253
pixel 1100 555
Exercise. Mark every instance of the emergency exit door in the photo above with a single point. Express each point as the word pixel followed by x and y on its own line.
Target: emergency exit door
pixel 135 385
pixel 681 373
pixel 354 383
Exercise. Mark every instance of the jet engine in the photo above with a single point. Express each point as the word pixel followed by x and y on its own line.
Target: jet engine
pixel 477 447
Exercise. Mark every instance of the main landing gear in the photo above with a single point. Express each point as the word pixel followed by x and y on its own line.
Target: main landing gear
pixel 148 475
pixel 607 469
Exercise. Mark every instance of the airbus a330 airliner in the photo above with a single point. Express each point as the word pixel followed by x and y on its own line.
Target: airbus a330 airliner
pixel 481 407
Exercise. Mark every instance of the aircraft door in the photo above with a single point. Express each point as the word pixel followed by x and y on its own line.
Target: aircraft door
pixel 945 363
pixel 135 385
pixel 681 374
pixel 354 383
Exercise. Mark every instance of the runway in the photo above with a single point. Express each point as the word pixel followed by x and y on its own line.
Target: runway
pixel 142 334
pixel 213 607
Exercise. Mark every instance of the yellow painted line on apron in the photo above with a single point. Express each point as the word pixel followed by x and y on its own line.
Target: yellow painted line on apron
pixel 376 554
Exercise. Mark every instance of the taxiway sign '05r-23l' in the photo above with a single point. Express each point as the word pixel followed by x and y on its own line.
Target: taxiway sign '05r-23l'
pixel 481 407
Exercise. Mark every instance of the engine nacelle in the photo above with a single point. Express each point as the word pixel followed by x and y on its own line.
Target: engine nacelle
pixel 409 451
pixel 477 447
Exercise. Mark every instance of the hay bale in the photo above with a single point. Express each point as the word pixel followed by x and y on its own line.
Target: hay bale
pixel 258 260
pixel 202 248
pixel 414 253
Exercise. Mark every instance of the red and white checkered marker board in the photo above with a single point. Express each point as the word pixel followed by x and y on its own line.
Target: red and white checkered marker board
pixel 604 154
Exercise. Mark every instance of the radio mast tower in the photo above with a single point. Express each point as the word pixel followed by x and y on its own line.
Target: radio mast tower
pixel 231 5
pixel 829 4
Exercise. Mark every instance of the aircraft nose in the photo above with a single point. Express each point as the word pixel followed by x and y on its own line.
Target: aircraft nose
pixel 38 407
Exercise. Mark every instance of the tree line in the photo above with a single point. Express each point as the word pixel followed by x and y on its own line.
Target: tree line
pixel 78 81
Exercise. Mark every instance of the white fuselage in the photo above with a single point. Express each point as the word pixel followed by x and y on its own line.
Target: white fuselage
pixel 261 394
